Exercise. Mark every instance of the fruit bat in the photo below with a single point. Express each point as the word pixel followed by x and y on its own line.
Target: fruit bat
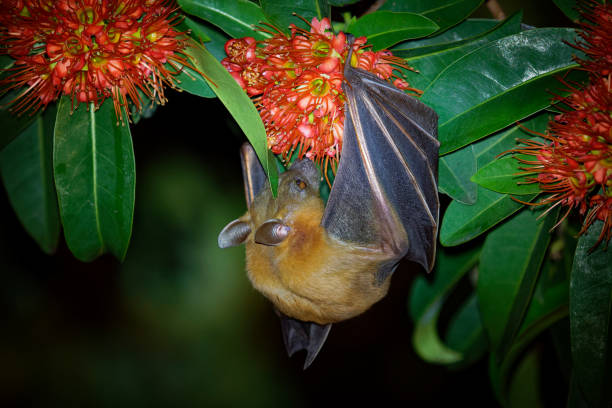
pixel 321 264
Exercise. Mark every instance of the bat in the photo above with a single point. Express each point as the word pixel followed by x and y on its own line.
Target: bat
pixel 320 264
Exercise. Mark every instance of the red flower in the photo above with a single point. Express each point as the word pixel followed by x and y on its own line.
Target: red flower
pixel 575 167
pixel 596 38
pixel 296 82
pixel 90 50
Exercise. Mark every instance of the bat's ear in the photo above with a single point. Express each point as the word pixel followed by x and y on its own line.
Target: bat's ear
pixel 299 335
pixel 234 233
pixel 271 232
pixel 253 174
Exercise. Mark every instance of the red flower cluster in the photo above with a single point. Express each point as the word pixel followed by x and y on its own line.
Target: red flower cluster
pixel 296 83
pixel 89 49
pixel 576 165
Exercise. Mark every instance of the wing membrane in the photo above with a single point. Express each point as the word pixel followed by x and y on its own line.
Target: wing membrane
pixel 385 191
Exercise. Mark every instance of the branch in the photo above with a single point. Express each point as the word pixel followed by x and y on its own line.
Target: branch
pixel 496 10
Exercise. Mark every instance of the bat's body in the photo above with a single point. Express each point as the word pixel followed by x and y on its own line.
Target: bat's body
pixel 322 264
pixel 310 275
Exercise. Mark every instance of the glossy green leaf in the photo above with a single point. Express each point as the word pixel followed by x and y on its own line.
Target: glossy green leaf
pixel 194 83
pixel 463 31
pixel 281 12
pixel 569 8
pixel 237 18
pixel 498 84
pixel 466 333
pixel 193 28
pixel 509 267
pixel 385 28
pixel 239 105
pixel 93 164
pixel 504 176
pixel 6 62
pixel 575 398
pixel 525 386
pixel 454 172
pixel 12 124
pixel 427 298
pixel 216 39
pixel 341 3
pixel 444 13
pixel 591 318
pixel 429 64
pixel 462 222
pixel 189 80
pixel 488 149
pixel 549 304
pixel 26 165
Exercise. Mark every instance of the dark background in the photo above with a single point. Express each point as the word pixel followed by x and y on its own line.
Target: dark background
pixel 177 322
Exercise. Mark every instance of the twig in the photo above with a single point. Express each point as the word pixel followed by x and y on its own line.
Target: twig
pixel 375 6
pixel 496 10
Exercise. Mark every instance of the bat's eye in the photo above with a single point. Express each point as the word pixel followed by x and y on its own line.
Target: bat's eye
pixel 300 183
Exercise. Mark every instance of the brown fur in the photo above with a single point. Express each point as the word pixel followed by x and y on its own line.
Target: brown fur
pixel 310 276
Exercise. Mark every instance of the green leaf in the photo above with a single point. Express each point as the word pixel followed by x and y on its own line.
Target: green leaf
pixel 194 83
pixel 569 8
pixel 6 62
pixel 237 18
pixel 26 165
pixel 12 124
pixel 195 29
pixel 93 163
pixel 498 84
pixel 525 387
pixel 463 31
pixel 385 28
pixel 462 223
pixel 591 317
pixel 281 12
pixel 549 304
pixel 443 12
pixel 239 105
pixel 509 267
pixel 216 39
pixel 466 334
pixel 426 300
pixel 576 399
pixel 454 172
pixel 504 176
pixel 488 149
pixel 189 80
pixel 341 3
pixel 451 51
pixel 430 63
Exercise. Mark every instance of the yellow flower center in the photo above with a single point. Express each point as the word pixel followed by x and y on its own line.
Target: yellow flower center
pixel 319 87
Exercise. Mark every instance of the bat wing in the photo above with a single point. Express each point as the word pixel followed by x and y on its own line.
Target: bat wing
pixel 299 335
pixel 385 191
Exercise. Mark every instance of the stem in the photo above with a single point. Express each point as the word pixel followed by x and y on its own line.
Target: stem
pixel 496 10
pixel 375 6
